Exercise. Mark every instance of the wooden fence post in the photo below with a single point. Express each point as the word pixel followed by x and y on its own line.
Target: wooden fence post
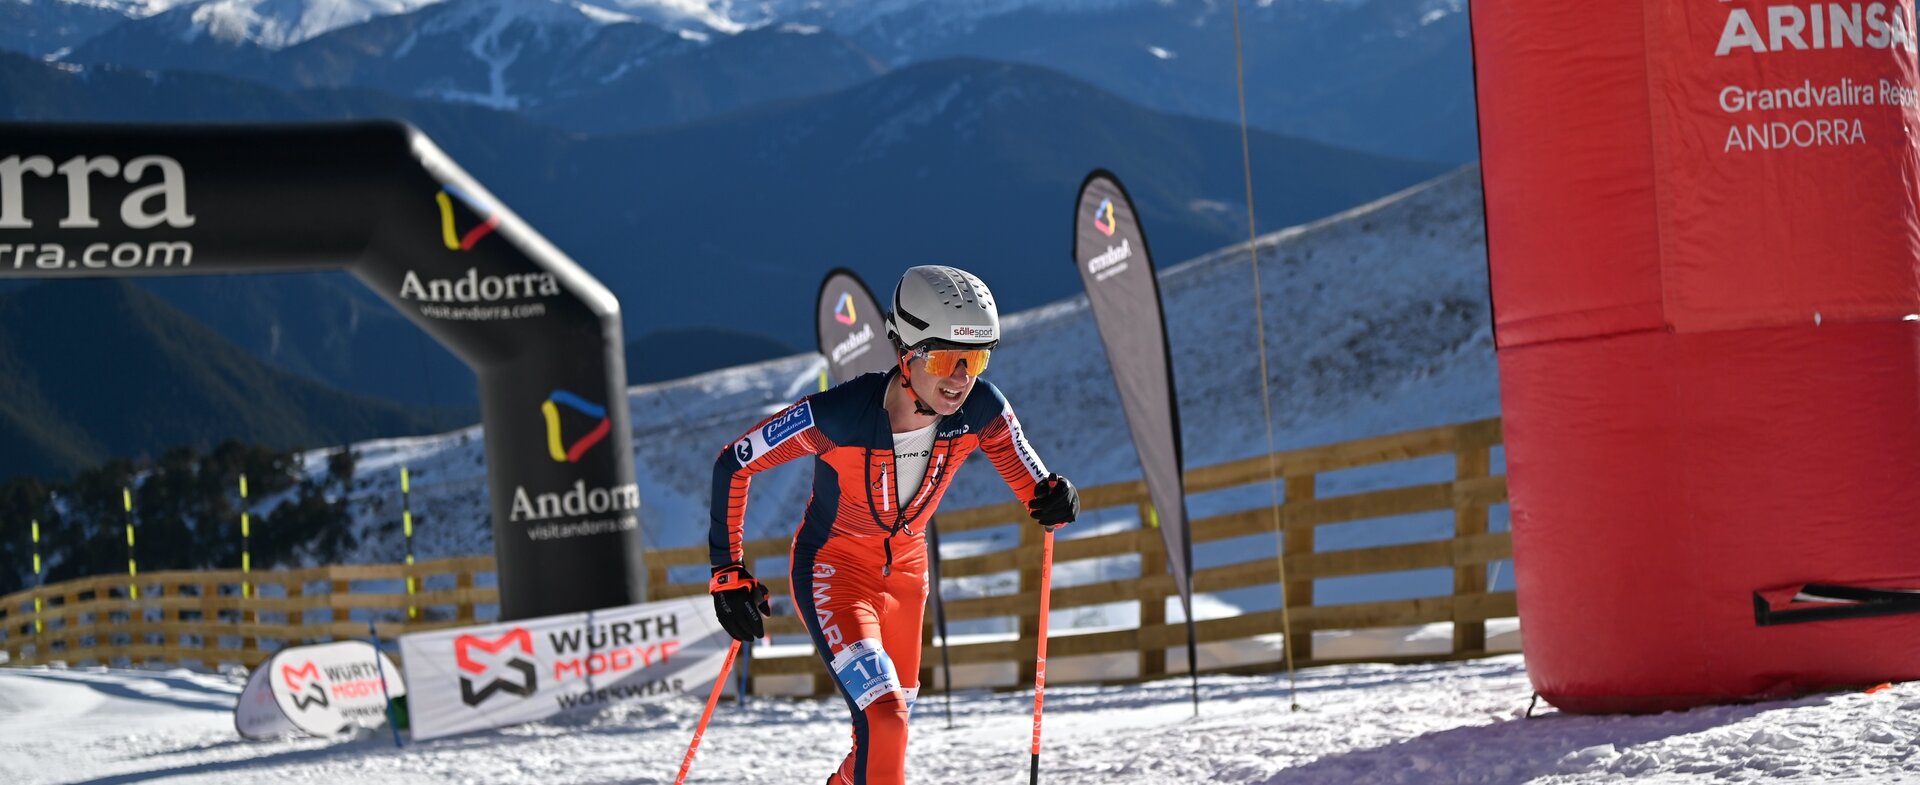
pixel 1299 541
pixel 296 590
pixel 464 582
pixel 72 627
pixel 338 590
pixel 1029 647
pixel 40 642
pixel 1153 604
pixel 1469 520
pixel 209 627
pixel 248 615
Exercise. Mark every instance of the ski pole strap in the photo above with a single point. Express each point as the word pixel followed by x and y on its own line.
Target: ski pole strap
pixel 731 577
pixel 1834 602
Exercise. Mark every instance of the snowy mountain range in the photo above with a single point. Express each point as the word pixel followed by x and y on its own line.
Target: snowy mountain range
pixel 1389 76
pixel 850 178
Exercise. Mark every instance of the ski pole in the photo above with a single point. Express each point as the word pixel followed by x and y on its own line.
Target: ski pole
pixel 1040 659
pixel 940 617
pixel 719 683
pixel 743 683
pixel 380 664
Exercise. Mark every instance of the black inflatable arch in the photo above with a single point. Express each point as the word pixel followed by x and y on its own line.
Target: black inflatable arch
pixel 379 200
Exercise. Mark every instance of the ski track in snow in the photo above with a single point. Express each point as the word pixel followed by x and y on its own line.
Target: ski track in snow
pixel 1442 723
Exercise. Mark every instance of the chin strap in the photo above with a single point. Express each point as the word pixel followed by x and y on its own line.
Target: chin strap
pixel 919 406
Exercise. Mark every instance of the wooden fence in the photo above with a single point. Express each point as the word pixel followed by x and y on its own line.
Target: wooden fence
pixel 217 617
pixel 201 617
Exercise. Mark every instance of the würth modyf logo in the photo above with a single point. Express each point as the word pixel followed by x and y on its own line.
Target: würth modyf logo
pixel 463 647
pixel 449 231
pixel 314 692
pixel 557 448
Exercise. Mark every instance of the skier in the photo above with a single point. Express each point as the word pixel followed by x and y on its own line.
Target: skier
pixel 886 445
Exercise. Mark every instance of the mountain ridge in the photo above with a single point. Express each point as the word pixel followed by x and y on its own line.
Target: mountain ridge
pixel 1387 76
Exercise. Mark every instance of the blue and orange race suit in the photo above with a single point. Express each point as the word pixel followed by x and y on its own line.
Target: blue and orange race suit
pixel 859 559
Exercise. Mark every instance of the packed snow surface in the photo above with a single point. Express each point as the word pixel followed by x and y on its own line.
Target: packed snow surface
pixel 1462 722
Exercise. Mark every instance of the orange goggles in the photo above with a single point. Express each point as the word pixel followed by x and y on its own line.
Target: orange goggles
pixel 942 362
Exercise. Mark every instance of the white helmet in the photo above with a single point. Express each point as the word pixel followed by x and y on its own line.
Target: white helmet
pixel 943 307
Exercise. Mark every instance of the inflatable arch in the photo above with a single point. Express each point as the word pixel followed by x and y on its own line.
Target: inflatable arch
pixel 1705 263
pixel 381 201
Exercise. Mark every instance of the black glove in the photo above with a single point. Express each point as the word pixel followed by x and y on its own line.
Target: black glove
pixel 1055 502
pixel 739 601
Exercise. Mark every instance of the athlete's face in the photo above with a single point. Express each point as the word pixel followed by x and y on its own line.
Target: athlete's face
pixel 943 394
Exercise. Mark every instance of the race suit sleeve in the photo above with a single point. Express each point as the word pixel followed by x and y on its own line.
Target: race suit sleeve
pixel 788 434
pixel 1006 445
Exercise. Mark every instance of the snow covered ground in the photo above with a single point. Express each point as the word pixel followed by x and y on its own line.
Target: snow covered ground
pixel 1441 723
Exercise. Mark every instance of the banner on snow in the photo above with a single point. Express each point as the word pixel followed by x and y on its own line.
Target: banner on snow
pixel 475 678
pixel 323 690
pixel 847 322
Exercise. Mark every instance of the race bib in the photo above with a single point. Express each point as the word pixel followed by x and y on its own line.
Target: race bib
pixel 865 671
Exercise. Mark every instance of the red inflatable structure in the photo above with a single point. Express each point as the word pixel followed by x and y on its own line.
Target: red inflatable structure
pixel 1704 237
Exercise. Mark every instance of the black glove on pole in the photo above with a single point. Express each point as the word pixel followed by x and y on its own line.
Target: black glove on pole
pixel 739 602
pixel 1055 502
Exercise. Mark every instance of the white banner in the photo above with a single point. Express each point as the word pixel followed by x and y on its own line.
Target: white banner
pixel 323 690
pixel 502 674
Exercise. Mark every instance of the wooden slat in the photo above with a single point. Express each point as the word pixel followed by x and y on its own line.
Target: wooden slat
pixel 1292 463
pixel 663 558
pixel 776 586
pixel 1122 543
pixel 425 599
pixel 1348 455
